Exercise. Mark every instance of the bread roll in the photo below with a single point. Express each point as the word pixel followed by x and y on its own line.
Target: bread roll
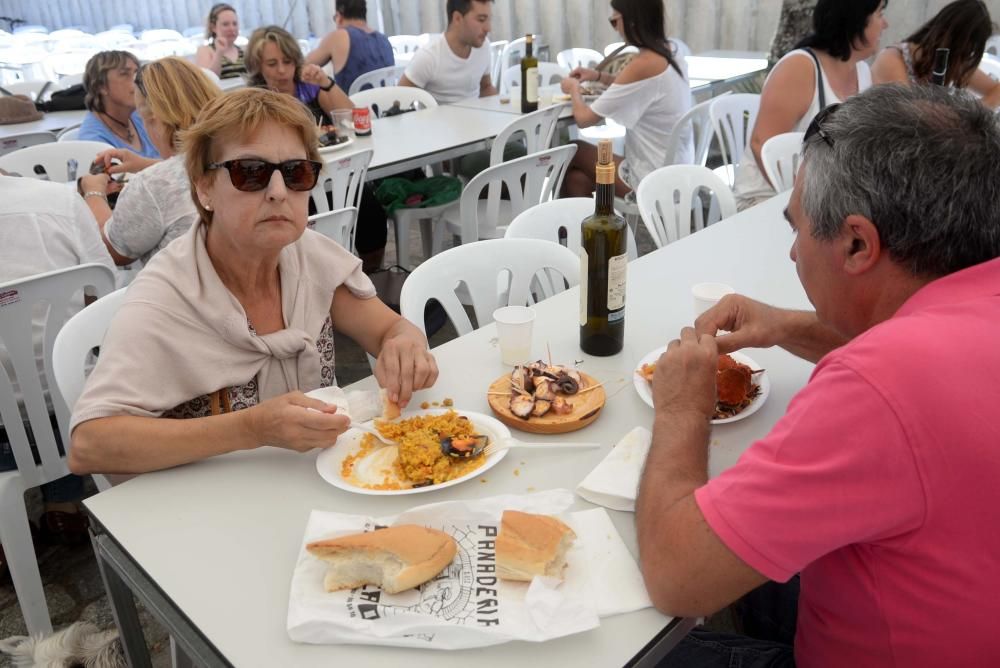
pixel 530 545
pixel 395 559
pixel 390 409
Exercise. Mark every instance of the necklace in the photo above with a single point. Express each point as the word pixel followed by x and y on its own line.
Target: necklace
pixel 127 126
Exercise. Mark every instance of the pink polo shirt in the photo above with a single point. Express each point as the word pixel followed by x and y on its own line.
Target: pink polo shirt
pixel 881 486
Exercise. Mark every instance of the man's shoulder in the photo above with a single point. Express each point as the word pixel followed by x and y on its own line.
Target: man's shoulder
pixel 34 196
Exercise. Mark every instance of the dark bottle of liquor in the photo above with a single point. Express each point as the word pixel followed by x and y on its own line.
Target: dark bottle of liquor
pixel 603 263
pixel 529 77
pixel 940 70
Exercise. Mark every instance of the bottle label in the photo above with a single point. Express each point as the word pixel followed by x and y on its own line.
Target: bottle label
pixel 617 268
pixel 531 84
pixel 583 285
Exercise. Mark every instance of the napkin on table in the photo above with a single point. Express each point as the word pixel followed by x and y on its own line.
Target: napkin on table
pixel 614 483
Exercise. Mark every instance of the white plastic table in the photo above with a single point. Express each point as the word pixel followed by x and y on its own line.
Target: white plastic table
pixel 53 121
pixel 210 547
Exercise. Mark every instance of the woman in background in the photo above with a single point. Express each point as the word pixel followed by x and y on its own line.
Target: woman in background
pixel 648 97
pixel 109 82
pixel 962 27
pixel 826 67
pixel 221 55
pixel 354 47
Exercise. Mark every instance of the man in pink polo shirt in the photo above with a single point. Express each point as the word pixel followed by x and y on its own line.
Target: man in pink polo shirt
pixel 879 486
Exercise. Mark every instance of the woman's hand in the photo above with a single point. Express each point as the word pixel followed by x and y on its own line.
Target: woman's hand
pixel 128 161
pixel 314 74
pixel 405 365
pixel 584 74
pixel 295 422
pixel 94 183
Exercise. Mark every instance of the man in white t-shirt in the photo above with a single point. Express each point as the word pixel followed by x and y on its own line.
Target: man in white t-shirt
pixel 43 227
pixel 456 65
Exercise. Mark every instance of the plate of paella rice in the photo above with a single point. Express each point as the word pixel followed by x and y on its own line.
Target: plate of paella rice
pixel 417 463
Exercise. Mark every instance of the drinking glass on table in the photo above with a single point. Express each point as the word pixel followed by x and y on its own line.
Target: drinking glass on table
pixel 514 325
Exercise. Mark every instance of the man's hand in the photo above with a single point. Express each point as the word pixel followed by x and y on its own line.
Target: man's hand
pixel 684 378
pixel 314 74
pixel 405 365
pixel 570 85
pixel 749 323
pixel 295 422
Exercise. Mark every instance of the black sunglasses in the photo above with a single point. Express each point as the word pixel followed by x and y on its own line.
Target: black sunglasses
pixel 816 127
pixel 614 22
pixel 251 175
pixel 138 81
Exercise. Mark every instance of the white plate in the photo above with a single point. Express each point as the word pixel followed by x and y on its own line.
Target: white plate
pixel 646 394
pixel 323 150
pixel 328 462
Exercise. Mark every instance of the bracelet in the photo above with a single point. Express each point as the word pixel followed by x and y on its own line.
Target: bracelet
pixel 95 193
pixel 329 87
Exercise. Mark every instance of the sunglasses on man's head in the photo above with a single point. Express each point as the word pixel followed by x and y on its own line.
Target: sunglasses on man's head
pixel 816 127
pixel 251 175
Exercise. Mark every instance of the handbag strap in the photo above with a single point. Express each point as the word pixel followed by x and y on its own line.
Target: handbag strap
pixel 820 87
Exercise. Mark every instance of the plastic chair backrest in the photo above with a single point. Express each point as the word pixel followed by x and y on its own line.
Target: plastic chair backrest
pixel 488 270
pixel 212 76
pixel 81 333
pixel 559 221
pixel 701 124
pixel 733 118
pixel 681 49
pixel 31 89
pixel 537 128
pixel 52 158
pixel 670 201
pixel 338 225
pixel 496 51
pixel 782 156
pixel 343 177
pixel 12 143
pixel 405 43
pixel 993 45
pixel 67 63
pixel 576 57
pixel 548 73
pixel 24 299
pixel 72 133
pixel 530 180
pixel 160 35
pixel 991 65
pixel 610 48
pixel 380 99
pixel 380 78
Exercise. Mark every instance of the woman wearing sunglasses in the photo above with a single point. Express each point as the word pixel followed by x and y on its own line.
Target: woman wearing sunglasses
pixel 232 322
pixel 155 208
pixel 648 97
pixel 962 27
pixel 826 67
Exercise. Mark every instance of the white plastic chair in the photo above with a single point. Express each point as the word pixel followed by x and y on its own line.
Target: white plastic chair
pixel 55 290
pixel 34 89
pixel 31 29
pixel 476 271
pixel 993 45
pixel 559 221
pixel 72 133
pixel 531 180
pixel 681 49
pixel 212 76
pixel 610 48
pixel 160 35
pixel 782 156
pixel 52 159
pixel 990 65
pixel 733 118
pixel 404 46
pixel 69 62
pixel 513 52
pixel 576 57
pixel 548 73
pixel 670 201
pixel 496 51
pixel 380 99
pixel 12 143
pixel 699 119
pixel 341 181
pixel 380 78
pixel 338 225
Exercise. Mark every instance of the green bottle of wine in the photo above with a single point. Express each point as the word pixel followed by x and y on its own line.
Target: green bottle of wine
pixel 529 77
pixel 603 263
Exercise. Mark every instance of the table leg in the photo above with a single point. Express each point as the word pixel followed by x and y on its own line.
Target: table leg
pixel 123 608
pixel 658 648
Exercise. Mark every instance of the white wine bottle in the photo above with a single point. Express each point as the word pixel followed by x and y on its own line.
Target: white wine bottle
pixel 603 264
pixel 529 77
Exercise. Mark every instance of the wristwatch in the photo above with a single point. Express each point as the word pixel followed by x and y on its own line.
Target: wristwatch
pixel 327 88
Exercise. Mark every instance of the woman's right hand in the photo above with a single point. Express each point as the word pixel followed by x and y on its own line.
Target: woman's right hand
pixel 295 422
pixel 129 161
pixel 585 74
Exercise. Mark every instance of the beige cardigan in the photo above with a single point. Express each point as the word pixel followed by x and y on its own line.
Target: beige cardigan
pixel 180 334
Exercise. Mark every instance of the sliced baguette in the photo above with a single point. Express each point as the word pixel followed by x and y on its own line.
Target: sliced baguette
pixel 530 545
pixel 394 559
pixel 390 409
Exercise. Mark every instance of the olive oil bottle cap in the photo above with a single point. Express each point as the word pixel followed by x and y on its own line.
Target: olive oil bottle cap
pixel 529 38
pixel 605 171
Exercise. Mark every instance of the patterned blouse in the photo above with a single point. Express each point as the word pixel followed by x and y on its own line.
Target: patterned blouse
pixel 231 69
pixel 245 396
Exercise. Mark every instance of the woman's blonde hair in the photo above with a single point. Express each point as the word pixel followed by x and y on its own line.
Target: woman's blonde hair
pixel 237 115
pixel 175 91
pixel 254 55
pixel 95 75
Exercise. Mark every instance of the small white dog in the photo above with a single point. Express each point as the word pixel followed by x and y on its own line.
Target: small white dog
pixel 80 644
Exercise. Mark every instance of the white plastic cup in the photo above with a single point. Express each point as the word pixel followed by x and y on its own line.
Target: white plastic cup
pixel 544 99
pixel 707 295
pixel 514 324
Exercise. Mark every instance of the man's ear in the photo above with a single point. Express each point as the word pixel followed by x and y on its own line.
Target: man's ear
pixel 861 244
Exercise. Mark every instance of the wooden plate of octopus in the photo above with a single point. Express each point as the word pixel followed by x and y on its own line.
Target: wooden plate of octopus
pixel 546 399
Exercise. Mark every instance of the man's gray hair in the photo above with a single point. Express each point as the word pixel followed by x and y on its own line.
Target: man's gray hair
pixel 922 163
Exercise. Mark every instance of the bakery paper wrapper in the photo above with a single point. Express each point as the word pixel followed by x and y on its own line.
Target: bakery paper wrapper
pixel 614 483
pixel 359 405
pixel 467 606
